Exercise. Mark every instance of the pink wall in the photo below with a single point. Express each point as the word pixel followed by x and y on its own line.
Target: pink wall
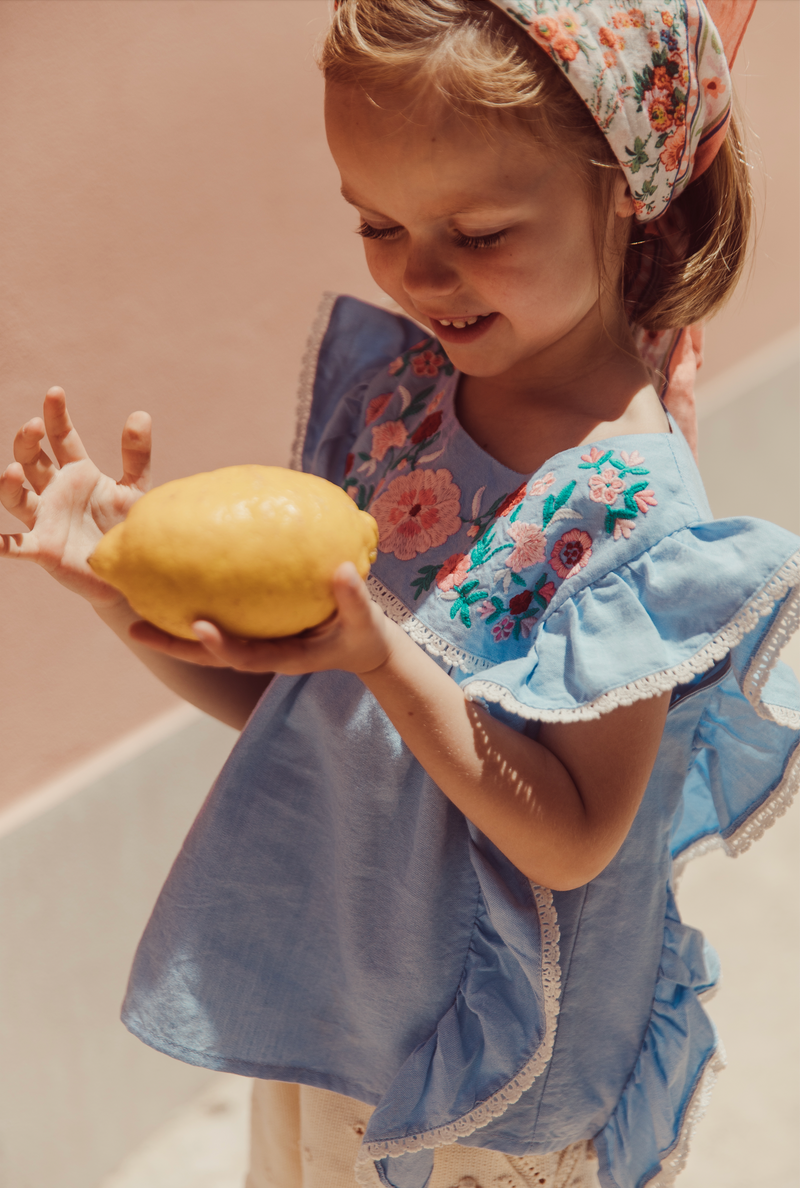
pixel 169 218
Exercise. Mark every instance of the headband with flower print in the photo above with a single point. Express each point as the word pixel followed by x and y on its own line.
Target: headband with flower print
pixel 654 75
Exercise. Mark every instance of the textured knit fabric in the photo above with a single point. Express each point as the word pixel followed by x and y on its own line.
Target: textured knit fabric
pixel 334 920
pixel 309 1138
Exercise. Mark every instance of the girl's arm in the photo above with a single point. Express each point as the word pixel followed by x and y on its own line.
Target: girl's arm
pixel 559 807
pixel 66 511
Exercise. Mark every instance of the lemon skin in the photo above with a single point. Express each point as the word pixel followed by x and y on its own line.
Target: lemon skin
pixel 250 548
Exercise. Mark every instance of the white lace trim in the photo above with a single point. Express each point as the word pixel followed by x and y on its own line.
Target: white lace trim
pixel 787 621
pixel 674 1163
pixel 498 1103
pixel 780 714
pixel 697 849
pixel 399 613
pixel 774 806
pixel 660 682
pixel 308 371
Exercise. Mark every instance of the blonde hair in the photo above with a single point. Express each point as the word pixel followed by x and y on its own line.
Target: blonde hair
pixel 476 60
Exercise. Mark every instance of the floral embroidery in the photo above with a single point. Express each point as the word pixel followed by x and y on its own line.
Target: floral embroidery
pixel 607 485
pixel 531 546
pixel 422 360
pixel 542 484
pixel 390 433
pixel 453 571
pixel 377 406
pixel 417 512
pixel 427 428
pixel 571 553
pixel 427 363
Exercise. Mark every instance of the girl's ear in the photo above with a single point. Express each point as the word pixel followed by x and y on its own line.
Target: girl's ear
pixel 623 200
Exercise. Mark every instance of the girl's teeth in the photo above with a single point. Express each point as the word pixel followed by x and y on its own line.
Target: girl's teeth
pixel 459 325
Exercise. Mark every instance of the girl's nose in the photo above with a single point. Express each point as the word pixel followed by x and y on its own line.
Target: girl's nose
pixel 428 275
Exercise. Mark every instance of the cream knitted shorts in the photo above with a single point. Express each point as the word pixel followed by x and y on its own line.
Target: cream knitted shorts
pixel 308 1138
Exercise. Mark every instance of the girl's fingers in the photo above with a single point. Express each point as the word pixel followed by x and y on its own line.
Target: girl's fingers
pixel 179 649
pixel 18 546
pixel 39 470
pixel 136 446
pixel 61 433
pixel 246 655
pixel 352 597
pixel 16 497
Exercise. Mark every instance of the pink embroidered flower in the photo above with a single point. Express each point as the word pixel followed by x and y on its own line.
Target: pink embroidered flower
pixel 530 549
pixel 396 365
pixel 485 609
pixel 607 37
pixel 673 148
pixel 547 591
pixel 610 58
pixel 571 553
pixel 511 501
pixel 653 40
pixel 427 363
pixel 636 18
pixel 645 500
pixel 377 406
pixel 623 528
pixel 527 626
pixel 502 629
pixel 541 485
pixel 606 486
pixel 592 456
pixel 391 433
pixel 417 512
pixel 473 530
pixel 566 48
pixel 634 459
pixel 426 428
pixel 453 571
pixel 402 464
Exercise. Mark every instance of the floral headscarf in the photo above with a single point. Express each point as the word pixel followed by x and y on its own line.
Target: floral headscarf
pixel 655 76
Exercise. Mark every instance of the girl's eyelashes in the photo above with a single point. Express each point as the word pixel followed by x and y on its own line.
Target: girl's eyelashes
pixel 475 242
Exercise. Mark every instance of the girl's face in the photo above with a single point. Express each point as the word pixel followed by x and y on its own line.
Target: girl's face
pixel 478 233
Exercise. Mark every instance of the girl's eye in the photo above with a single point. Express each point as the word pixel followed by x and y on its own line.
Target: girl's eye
pixel 368 232
pixel 479 241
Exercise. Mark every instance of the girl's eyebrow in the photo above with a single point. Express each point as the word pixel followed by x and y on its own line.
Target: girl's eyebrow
pixel 470 208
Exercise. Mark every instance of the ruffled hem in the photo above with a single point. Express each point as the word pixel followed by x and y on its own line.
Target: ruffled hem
pixel 786 622
pixel 674 1163
pixel 396 610
pixel 496 1105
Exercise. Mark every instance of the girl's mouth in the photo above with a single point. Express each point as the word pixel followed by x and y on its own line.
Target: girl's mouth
pixel 462 330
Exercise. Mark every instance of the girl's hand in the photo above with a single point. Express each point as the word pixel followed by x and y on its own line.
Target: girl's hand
pixel 356 638
pixel 68 510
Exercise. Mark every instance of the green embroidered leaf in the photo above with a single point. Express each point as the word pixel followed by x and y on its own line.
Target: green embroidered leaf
pixel 637 154
pixel 498 609
pixel 427 576
pixel 516 578
pixel 515 513
pixel 613 516
pixel 416 405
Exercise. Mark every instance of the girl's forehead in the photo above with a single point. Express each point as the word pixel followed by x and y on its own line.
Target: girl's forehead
pixel 391 146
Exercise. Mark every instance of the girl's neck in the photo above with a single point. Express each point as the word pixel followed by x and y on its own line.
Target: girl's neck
pixel 562 399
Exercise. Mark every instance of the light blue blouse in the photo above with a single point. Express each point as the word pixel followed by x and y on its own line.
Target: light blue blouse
pixel 333 919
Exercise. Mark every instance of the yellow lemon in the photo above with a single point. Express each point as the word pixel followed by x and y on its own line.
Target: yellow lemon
pixel 252 548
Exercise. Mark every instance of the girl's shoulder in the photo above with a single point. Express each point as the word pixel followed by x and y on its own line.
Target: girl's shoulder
pixel 599 579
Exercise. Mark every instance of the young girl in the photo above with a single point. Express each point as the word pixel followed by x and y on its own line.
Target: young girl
pixel 429 901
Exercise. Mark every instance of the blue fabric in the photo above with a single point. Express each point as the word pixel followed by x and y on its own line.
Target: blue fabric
pixel 333 919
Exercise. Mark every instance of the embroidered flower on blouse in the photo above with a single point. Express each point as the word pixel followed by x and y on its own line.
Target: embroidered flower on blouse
pixel 426 428
pixel 502 629
pixel 605 486
pixel 417 512
pixel 511 501
pixel 396 365
pixel 520 602
pixel 391 433
pixel 541 485
pixel 377 406
pixel 645 500
pixel 453 571
pixel 623 528
pixel 427 363
pixel 571 553
pixel 530 548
